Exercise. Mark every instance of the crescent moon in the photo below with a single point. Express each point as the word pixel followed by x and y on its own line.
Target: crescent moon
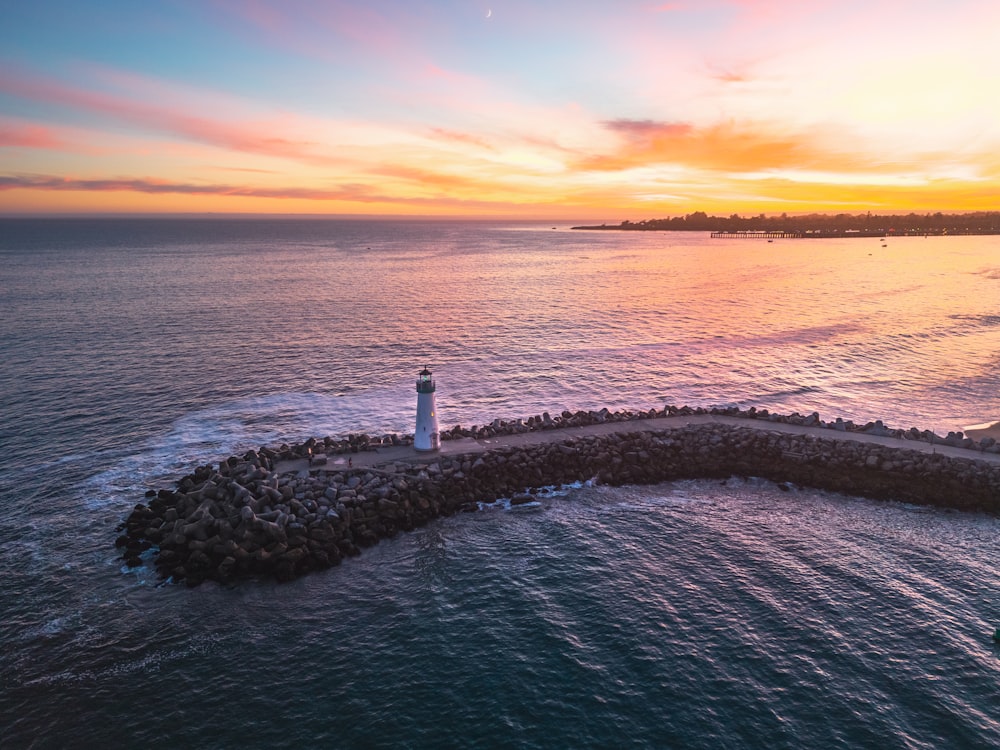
pixel 489 12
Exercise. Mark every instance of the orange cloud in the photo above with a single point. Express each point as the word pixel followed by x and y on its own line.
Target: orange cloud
pixel 456 136
pixel 728 76
pixel 610 203
pixel 350 193
pixel 721 147
pixel 810 152
pixel 433 178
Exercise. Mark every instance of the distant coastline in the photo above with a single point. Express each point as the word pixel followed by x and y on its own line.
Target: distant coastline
pixel 818 225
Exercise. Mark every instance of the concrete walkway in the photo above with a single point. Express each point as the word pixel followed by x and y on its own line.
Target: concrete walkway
pixel 407 454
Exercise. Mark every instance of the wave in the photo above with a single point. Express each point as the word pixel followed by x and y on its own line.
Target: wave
pixel 232 428
pixel 151 662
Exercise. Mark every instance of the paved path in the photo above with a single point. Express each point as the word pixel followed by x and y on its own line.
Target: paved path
pixel 407 454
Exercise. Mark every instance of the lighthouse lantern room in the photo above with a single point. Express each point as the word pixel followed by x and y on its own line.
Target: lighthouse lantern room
pixel 426 437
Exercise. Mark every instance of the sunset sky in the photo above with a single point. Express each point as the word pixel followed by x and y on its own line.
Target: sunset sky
pixel 624 109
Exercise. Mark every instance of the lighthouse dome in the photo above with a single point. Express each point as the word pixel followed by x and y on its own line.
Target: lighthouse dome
pixel 425 382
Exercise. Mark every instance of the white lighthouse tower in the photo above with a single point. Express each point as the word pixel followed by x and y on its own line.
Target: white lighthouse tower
pixel 426 437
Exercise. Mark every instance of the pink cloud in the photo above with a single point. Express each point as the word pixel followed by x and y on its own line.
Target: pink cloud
pixel 28 136
pixel 16 133
pixel 257 138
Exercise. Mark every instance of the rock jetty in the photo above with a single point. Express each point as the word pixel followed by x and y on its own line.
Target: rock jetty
pixel 356 443
pixel 245 518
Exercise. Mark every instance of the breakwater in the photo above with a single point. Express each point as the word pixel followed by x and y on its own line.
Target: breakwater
pixel 247 517
pixel 355 443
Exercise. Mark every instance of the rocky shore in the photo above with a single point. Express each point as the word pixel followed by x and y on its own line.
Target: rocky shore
pixel 243 518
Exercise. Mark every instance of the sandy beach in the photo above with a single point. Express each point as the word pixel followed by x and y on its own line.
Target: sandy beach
pixel 980 431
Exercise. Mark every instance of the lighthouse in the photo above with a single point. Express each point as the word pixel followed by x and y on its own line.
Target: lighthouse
pixel 426 437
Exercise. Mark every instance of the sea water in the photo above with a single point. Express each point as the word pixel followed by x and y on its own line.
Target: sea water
pixel 691 614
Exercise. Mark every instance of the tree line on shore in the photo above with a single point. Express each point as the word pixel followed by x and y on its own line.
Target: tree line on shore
pixel 978 222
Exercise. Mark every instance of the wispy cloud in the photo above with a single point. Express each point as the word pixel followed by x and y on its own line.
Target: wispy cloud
pixel 262 137
pixel 351 193
pixel 155 186
pixel 28 136
pixel 648 131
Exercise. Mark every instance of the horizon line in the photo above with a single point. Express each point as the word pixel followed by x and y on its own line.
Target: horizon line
pixel 433 217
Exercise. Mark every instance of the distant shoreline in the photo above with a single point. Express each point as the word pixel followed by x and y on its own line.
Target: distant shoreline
pixel 796 234
pixel 818 225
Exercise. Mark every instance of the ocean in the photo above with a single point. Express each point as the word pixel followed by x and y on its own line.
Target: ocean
pixel 690 614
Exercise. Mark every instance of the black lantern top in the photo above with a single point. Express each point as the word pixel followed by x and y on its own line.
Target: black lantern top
pixel 425 383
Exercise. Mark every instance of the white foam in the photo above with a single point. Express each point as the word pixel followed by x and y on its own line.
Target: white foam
pixel 543 492
pixel 149 663
pixel 212 434
pixel 54 626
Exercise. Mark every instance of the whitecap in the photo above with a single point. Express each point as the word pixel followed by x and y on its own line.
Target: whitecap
pixel 151 662
pixel 212 434
pixel 54 627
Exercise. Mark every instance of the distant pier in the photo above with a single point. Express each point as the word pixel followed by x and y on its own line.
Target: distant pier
pixel 754 235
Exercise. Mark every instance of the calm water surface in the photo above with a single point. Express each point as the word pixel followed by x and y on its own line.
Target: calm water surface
pixel 683 615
